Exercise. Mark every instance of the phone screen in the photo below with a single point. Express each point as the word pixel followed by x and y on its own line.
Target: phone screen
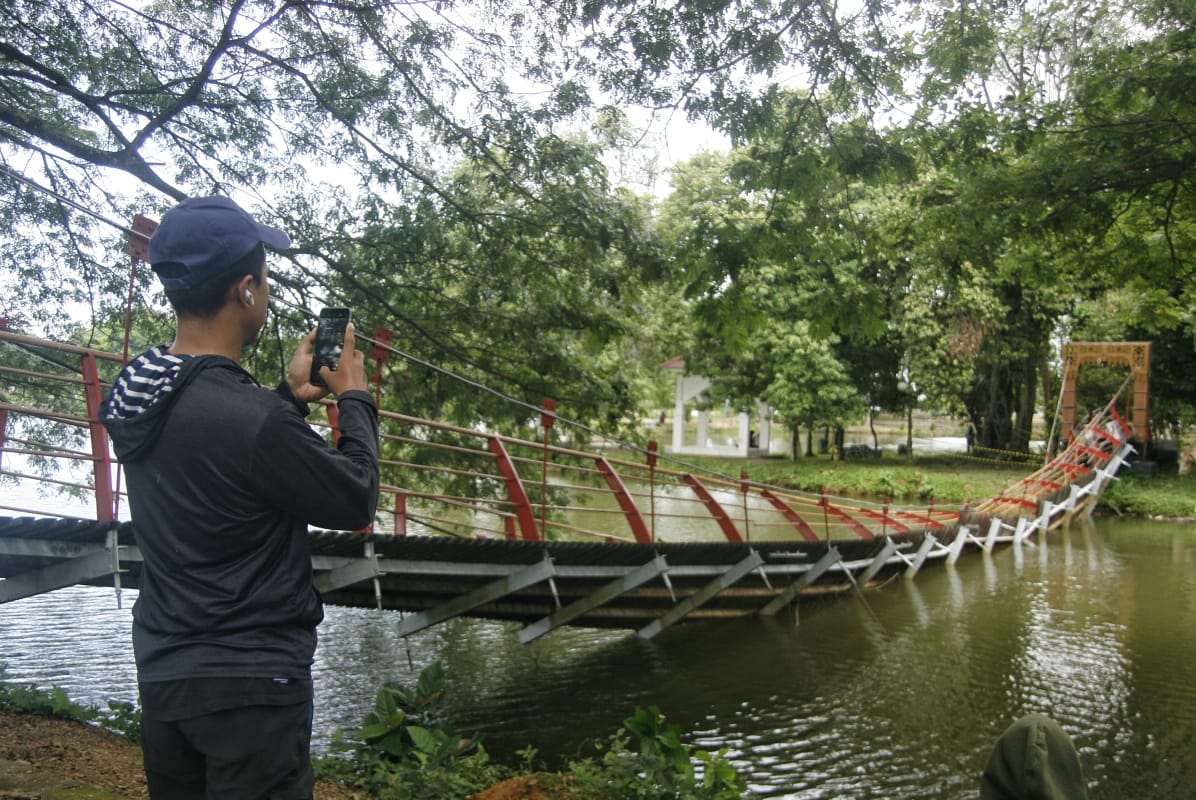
pixel 330 341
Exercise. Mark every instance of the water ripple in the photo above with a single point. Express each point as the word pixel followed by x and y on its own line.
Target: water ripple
pixel 897 696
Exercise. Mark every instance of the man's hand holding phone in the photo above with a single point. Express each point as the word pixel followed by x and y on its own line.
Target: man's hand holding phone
pixel 347 369
pixel 350 370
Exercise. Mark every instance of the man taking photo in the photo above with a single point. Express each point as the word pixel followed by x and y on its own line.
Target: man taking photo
pixel 224 478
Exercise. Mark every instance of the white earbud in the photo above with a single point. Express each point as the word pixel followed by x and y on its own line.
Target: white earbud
pixel 249 297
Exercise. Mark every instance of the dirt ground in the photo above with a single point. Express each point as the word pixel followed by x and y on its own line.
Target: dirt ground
pixel 529 787
pixel 39 757
pixel 44 754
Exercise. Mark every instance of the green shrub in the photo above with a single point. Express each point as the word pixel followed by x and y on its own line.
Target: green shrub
pixel 15 698
pixel 1170 496
pixel 662 769
pixel 406 750
pixel 124 718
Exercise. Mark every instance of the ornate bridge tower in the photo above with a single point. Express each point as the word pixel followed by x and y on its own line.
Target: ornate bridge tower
pixel 1133 355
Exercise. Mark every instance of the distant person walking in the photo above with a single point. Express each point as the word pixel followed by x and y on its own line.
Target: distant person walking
pixel 224 479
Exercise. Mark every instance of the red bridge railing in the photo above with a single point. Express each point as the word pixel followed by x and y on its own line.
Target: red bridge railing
pixel 66 394
pixel 446 479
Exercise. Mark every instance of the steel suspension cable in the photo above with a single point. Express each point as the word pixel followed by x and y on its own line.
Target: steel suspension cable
pixel 623 443
pixel 610 438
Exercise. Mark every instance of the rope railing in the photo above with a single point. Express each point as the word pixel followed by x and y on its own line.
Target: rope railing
pixel 675 479
pixel 104 485
pixel 532 486
pixel 557 468
pixel 61 347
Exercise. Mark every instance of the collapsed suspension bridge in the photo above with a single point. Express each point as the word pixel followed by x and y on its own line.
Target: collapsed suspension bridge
pixel 507 530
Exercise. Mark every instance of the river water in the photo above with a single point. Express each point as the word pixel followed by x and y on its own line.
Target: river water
pixel 897 695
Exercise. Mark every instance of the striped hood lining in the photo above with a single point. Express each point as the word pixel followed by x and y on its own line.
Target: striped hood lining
pixel 143 382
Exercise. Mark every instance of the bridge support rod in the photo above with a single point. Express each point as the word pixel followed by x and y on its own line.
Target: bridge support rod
pixel 829 559
pixel 600 596
pixel 358 570
pixel 701 597
pixel 1023 529
pixel 994 528
pixel 792 516
pixel 520 579
pixel 860 529
pixel 928 544
pixel 626 502
pixel 881 558
pixel 518 494
pixel 101 458
pixel 1109 472
pixel 961 538
pixel 714 507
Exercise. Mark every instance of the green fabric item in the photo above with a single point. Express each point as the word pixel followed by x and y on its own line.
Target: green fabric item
pixel 1033 760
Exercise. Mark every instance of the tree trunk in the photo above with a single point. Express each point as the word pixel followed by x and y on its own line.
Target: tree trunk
pixel 1027 402
pixel 996 430
pixel 909 432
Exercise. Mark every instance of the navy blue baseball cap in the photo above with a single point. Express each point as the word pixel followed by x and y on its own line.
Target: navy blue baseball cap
pixel 205 236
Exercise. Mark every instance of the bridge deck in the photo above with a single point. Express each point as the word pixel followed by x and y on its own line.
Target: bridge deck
pixel 646 587
pixel 503 505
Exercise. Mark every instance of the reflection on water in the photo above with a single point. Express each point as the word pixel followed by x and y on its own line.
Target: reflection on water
pixel 897 695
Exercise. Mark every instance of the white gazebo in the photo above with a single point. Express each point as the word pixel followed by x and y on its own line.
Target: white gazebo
pixel 692 386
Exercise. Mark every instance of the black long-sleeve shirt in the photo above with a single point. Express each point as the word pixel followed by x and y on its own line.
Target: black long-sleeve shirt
pixel 224 478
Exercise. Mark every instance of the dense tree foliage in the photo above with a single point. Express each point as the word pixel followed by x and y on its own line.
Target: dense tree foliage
pixel 1043 174
pixel 1086 193
pixel 926 196
pixel 426 158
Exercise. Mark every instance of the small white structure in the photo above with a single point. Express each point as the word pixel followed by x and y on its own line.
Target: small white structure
pixel 690 387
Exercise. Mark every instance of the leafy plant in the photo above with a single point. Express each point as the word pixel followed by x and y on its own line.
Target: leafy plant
pixel 407 750
pixel 121 717
pixel 409 725
pixel 124 718
pixel 21 699
pixel 662 769
pixel 661 745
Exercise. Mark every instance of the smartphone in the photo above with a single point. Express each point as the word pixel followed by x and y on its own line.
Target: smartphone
pixel 330 341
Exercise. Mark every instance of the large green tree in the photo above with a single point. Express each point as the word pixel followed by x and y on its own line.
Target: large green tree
pixel 345 123
pixel 1067 181
pixel 527 306
pixel 1046 161
pixel 1044 165
pixel 788 237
